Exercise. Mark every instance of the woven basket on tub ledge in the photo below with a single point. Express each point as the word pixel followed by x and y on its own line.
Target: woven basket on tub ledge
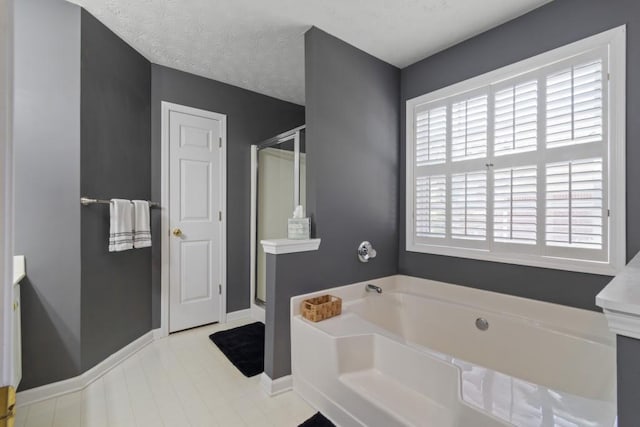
pixel 321 308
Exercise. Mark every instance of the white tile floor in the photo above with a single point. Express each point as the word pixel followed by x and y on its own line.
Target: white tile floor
pixel 182 380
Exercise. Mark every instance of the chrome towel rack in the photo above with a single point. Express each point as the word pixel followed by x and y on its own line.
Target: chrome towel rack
pixel 85 201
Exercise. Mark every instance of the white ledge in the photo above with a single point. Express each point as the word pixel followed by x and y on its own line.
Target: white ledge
pixel 620 300
pixel 288 246
pixel 19 270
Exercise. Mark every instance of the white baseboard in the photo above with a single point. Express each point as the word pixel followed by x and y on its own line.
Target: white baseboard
pixel 239 315
pixel 83 380
pixel 257 313
pixel 277 386
pixel 159 333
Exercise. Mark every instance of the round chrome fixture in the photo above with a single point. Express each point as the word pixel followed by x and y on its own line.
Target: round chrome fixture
pixel 482 324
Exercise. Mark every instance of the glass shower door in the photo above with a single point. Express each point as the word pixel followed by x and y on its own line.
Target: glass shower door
pixel 280 187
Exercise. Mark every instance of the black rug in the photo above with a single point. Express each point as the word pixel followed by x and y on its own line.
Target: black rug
pixel 243 346
pixel 318 420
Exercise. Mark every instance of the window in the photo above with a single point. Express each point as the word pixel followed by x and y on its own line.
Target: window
pixel 525 165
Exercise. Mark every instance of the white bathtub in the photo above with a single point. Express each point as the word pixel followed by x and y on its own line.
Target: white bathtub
pixel 413 356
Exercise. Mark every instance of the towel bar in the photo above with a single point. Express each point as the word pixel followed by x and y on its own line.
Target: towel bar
pixel 88 201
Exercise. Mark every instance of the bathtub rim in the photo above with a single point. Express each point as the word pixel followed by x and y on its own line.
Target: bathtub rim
pixel 572 321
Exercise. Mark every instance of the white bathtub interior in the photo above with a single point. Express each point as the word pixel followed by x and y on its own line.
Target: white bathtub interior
pixel 413 356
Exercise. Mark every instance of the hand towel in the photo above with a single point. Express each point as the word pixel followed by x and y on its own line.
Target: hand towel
pixel 141 224
pixel 121 225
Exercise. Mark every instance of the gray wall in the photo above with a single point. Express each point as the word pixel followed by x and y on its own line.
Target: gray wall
pixel 553 25
pixel 352 181
pixel 628 381
pixel 47 186
pixel 251 118
pixel 115 163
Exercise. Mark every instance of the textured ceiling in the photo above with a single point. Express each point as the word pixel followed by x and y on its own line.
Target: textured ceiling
pixel 259 44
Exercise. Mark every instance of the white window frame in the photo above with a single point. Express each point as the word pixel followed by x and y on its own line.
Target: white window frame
pixel 614 41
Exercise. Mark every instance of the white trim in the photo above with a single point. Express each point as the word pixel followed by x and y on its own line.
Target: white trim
pixel 518 259
pixel 615 40
pixel 277 386
pixel 288 246
pixel 258 313
pixel 81 381
pixel 617 151
pixel 166 108
pixel 19 269
pixel 624 324
pixel 6 195
pixel 157 334
pixel 239 315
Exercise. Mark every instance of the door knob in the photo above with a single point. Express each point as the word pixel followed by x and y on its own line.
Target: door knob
pixel 176 232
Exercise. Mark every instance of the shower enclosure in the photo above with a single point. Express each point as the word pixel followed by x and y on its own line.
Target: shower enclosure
pixel 278 186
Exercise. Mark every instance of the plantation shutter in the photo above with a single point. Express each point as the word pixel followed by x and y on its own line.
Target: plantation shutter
pixel 431 136
pixel 518 167
pixel 515 205
pixel 469 129
pixel 469 205
pixel 431 195
pixel 516 119
pixel 574 193
pixel 574 105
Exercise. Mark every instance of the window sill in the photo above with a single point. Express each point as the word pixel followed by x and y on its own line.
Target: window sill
pixel 591 267
pixel 288 246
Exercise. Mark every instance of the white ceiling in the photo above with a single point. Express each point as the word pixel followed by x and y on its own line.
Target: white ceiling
pixel 259 44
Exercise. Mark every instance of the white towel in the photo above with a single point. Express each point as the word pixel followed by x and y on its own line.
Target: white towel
pixel 141 224
pixel 121 225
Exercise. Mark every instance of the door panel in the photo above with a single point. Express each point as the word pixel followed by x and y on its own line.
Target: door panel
pixel 195 183
pixel 195 279
pixel 195 168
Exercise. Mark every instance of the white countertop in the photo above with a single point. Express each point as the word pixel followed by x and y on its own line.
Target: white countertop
pixel 19 270
pixel 623 292
pixel 620 300
pixel 287 246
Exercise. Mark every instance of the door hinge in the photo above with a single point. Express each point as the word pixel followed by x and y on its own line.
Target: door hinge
pixel 219 215
pixel 608 212
pixel 219 289
pixel 7 405
pixel 220 142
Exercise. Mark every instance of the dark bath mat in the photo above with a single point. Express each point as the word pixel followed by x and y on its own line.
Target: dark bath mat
pixel 318 420
pixel 243 346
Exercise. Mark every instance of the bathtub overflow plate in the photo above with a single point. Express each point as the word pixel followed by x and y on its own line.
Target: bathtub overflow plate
pixel 482 324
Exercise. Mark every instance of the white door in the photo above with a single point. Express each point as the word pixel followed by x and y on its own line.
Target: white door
pixel 195 218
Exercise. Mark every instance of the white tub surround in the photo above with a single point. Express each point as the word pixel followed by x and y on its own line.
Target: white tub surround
pixel 413 356
pixel 620 300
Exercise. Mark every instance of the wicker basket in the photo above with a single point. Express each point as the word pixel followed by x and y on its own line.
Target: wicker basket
pixel 321 308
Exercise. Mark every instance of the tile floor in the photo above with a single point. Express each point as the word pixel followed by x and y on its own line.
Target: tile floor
pixel 182 380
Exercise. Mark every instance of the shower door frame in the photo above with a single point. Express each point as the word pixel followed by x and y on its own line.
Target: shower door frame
pixel 256 307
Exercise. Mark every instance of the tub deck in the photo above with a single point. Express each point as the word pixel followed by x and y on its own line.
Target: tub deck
pixel 372 368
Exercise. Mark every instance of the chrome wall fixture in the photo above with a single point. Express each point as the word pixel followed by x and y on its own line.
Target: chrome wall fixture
pixel 366 252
